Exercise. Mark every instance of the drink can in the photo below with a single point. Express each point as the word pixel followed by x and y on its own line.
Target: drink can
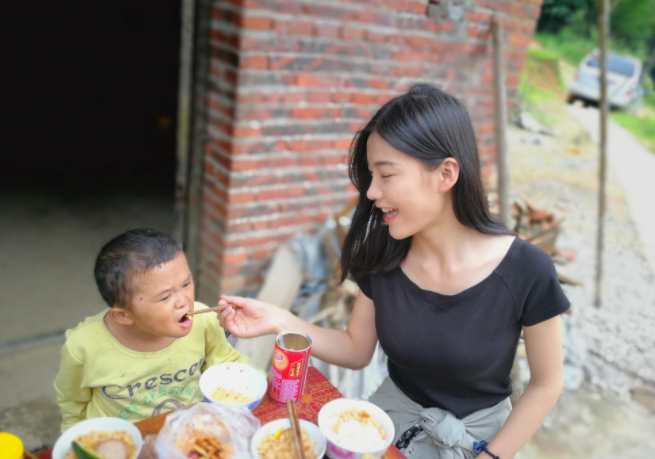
pixel 290 364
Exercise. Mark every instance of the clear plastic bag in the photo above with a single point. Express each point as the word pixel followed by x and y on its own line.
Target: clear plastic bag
pixel 232 427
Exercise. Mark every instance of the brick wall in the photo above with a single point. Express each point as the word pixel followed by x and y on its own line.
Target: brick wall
pixel 290 83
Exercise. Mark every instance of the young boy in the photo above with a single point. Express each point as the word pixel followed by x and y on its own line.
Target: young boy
pixel 144 355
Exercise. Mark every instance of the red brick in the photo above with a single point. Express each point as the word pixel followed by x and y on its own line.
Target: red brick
pixel 309 80
pixel 235 258
pixel 253 22
pixel 276 63
pixel 351 33
pixel 240 198
pixel 417 41
pixel 485 128
pixel 343 144
pixel 245 131
pixel 293 27
pixel 257 113
pixel 282 193
pixel 376 37
pixel 341 97
pixel 479 17
pixel 519 40
pixel 513 80
pixel 254 62
pixel 318 97
pixel 364 98
pixel 326 30
pixel 314 113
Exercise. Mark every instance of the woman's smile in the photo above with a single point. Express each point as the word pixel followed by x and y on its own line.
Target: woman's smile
pixel 390 214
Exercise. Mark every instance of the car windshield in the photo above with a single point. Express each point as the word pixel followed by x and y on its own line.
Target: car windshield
pixel 616 64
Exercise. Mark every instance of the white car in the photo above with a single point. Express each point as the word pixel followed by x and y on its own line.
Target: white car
pixel 624 90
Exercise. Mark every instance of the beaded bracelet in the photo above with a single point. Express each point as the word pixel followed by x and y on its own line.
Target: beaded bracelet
pixel 482 446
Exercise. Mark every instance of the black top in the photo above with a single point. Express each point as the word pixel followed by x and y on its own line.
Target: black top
pixel 455 352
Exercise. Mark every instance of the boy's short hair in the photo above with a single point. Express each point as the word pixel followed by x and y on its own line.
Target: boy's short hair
pixel 135 251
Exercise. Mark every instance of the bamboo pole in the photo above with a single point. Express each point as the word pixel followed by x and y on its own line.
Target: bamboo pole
pixel 603 29
pixel 501 123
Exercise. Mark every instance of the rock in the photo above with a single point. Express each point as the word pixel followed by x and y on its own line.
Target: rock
pixel 530 123
pixel 644 395
pixel 573 377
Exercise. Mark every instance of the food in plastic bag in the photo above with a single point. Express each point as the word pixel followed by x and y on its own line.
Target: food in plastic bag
pixel 207 431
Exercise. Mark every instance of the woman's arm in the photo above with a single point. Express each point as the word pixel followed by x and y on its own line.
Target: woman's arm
pixel 352 348
pixel 543 344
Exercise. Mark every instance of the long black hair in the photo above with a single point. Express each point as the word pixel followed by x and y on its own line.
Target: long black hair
pixel 429 125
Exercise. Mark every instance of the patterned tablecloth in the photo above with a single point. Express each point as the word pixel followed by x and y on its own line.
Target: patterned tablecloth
pixel 318 392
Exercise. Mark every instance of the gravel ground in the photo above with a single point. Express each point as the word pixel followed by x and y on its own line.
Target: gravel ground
pixel 609 352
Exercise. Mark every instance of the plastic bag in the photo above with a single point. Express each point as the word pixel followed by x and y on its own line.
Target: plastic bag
pixel 231 426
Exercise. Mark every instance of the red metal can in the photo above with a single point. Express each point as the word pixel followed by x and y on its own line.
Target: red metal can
pixel 290 364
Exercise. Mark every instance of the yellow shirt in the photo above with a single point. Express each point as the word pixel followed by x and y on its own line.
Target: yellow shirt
pixel 99 376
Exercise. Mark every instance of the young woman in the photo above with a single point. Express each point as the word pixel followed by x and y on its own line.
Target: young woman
pixel 445 289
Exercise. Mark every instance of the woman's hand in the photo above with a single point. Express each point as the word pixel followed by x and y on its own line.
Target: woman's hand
pixel 247 317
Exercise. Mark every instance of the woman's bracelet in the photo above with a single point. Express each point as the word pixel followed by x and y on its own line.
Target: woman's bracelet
pixel 482 446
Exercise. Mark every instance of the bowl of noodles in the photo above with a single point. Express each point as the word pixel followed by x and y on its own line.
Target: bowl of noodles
pixel 233 383
pixel 107 438
pixel 355 429
pixel 274 440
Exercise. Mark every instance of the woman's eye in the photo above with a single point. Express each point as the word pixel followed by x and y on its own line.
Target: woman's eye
pixel 165 298
pixel 186 285
pixel 385 176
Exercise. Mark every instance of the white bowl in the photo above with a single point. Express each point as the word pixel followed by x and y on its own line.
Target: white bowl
pixel 63 445
pixel 272 427
pixel 235 376
pixel 326 419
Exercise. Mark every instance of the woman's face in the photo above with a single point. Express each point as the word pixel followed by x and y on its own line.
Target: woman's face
pixel 411 197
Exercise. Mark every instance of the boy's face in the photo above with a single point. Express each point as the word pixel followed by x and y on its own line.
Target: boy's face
pixel 162 298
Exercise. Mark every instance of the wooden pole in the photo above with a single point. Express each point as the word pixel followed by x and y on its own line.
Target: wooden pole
pixel 603 29
pixel 501 123
pixel 185 92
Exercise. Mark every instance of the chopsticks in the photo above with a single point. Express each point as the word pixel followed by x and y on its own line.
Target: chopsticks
pixel 202 311
pixel 296 433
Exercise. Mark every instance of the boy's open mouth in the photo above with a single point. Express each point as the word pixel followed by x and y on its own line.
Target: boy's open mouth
pixel 185 321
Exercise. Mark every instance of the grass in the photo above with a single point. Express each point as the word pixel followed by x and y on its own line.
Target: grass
pixel 567 46
pixel 641 123
pixel 541 87
pixel 570 47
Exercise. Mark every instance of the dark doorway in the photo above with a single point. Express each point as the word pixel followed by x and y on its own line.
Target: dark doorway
pixel 89 153
pixel 95 93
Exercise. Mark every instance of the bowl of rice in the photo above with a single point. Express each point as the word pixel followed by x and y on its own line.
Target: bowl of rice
pixel 233 383
pixel 355 429
pixel 274 440
pixel 106 437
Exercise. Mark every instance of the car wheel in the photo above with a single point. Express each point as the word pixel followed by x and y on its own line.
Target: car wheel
pixel 570 99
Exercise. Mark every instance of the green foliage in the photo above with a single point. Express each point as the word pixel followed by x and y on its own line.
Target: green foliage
pixel 566 45
pixel 633 22
pixel 632 26
pixel 556 14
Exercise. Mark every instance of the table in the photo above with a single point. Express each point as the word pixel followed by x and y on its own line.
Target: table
pixel 318 392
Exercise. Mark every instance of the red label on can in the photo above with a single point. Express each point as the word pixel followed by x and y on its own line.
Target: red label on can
pixel 289 372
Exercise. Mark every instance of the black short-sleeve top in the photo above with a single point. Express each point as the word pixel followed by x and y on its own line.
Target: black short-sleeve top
pixel 455 352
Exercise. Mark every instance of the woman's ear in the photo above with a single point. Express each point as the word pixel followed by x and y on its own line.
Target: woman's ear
pixel 121 315
pixel 448 174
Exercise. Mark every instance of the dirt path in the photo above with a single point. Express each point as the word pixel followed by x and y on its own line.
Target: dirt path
pixel 635 169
